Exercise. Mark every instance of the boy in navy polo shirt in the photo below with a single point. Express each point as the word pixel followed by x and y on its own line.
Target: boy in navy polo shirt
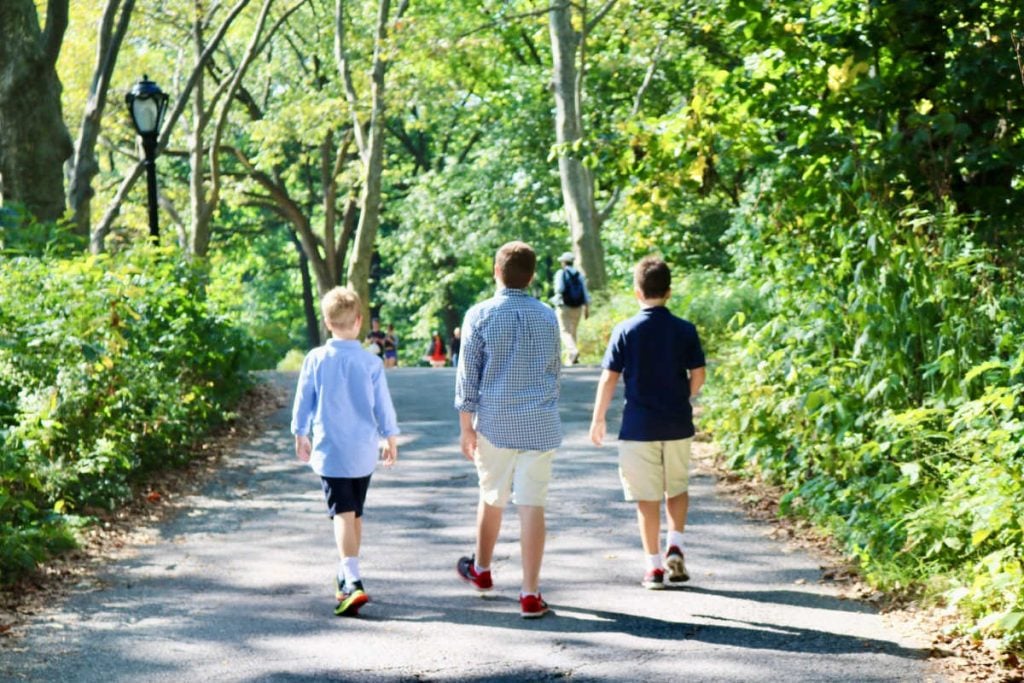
pixel 661 360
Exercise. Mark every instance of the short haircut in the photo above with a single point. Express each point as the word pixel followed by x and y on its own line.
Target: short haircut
pixel 516 262
pixel 652 277
pixel 341 306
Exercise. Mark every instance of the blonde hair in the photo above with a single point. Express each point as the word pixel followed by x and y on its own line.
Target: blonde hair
pixel 340 306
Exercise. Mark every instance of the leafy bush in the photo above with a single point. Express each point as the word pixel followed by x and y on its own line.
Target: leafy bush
pixel 110 367
pixel 708 299
pixel 883 388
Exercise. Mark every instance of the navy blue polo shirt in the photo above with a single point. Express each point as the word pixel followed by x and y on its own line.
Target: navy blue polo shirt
pixel 654 350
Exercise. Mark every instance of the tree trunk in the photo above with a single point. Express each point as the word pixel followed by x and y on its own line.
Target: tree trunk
pixel 84 166
pixel 577 182
pixel 372 156
pixel 34 142
pixel 199 227
pixel 308 301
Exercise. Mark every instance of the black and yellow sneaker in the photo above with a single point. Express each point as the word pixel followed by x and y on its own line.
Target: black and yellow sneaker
pixel 350 598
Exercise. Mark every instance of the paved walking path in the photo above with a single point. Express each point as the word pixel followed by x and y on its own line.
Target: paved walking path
pixel 237 587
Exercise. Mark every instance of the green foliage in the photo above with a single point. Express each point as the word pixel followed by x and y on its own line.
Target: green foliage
pixel 707 298
pixel 888 402
pixel 110 367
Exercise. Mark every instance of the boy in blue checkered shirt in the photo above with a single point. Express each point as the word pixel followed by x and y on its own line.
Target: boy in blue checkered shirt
pixel 506 393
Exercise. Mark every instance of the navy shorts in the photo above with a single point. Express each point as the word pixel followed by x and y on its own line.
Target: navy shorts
pixel 345 495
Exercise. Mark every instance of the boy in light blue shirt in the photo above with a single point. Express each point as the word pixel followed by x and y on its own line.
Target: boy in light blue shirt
pixel 342 411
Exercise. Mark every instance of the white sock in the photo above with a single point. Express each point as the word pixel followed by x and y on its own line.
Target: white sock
pixel 524 594
pixel 674 538
pixel 350 569
pixel 480 570
pixel 654 561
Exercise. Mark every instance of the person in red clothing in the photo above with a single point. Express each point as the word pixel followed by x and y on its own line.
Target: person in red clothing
pixel 437 354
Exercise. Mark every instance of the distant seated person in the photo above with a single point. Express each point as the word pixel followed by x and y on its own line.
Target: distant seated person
pixel 437 354
pixel 375 338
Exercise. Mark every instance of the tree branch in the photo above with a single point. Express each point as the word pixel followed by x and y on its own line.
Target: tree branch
pixel 53 34
pixel 512 17
pixel 599 15
pixel 99 235
pixel 345 71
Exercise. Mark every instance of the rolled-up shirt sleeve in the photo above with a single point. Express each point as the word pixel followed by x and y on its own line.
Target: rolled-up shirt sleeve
pixel 467 377
pixel 305 399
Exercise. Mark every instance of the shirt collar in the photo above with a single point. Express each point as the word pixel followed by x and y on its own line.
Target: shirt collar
pixel 340 343
pixel 509 291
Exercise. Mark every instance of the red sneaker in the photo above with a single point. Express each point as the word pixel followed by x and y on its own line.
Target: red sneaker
pixel 532 606
pixel 466 567
pixel 654 579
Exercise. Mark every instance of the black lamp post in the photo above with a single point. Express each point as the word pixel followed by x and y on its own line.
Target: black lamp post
pixel 147 104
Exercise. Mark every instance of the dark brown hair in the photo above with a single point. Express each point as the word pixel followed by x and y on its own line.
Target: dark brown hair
pixel 516 262
pixel 652 277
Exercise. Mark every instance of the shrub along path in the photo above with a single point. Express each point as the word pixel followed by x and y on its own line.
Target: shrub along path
pixel 237 585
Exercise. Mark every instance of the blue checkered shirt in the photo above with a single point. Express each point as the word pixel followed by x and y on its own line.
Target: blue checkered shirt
pixel 509 369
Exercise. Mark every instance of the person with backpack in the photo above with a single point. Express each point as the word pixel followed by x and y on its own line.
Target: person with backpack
pixel 572 301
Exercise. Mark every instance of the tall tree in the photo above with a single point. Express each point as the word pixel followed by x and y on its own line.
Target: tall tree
pixel 568 45
pixel 370 144
pixel 34 142
pixel 112 27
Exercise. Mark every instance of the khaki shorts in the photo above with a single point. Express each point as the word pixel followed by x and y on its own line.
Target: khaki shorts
pixel 508 473
pixel 650 470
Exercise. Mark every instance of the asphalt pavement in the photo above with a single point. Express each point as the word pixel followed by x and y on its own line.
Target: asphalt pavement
pixel 237 586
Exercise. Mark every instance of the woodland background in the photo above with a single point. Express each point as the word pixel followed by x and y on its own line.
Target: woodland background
pixel 837 185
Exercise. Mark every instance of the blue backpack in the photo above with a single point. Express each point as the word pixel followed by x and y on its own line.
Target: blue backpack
pixel 572 289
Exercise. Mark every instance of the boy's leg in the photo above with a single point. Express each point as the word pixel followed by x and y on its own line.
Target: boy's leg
pixel 676 509
pixel 348 534
pixel 677 504
pixel 648 518
pixel 488 525
pixel 530 493
pixel 532 534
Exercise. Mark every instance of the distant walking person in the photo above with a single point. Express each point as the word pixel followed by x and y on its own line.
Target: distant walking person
pixel 661 360
pixel 342 411
pixel 572 300
pixel 506 392
pixel 455 345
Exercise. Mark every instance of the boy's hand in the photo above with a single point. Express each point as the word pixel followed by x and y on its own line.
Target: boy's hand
pixel 389 452
pixel 597 430
pixel 303 448
pixel 467 442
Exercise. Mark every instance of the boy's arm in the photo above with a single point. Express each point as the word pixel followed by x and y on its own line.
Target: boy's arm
pixel 383 407
pixel 467 435
pixel 302 411
pixel 605 392
pixel 303 447
pixel 697 377
pixel 390 453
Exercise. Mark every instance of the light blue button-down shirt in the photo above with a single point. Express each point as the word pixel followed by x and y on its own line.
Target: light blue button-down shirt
pixel 342 399
pixel 509 370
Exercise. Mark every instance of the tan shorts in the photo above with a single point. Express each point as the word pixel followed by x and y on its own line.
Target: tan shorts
pixel 508 473
pixel 650 470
